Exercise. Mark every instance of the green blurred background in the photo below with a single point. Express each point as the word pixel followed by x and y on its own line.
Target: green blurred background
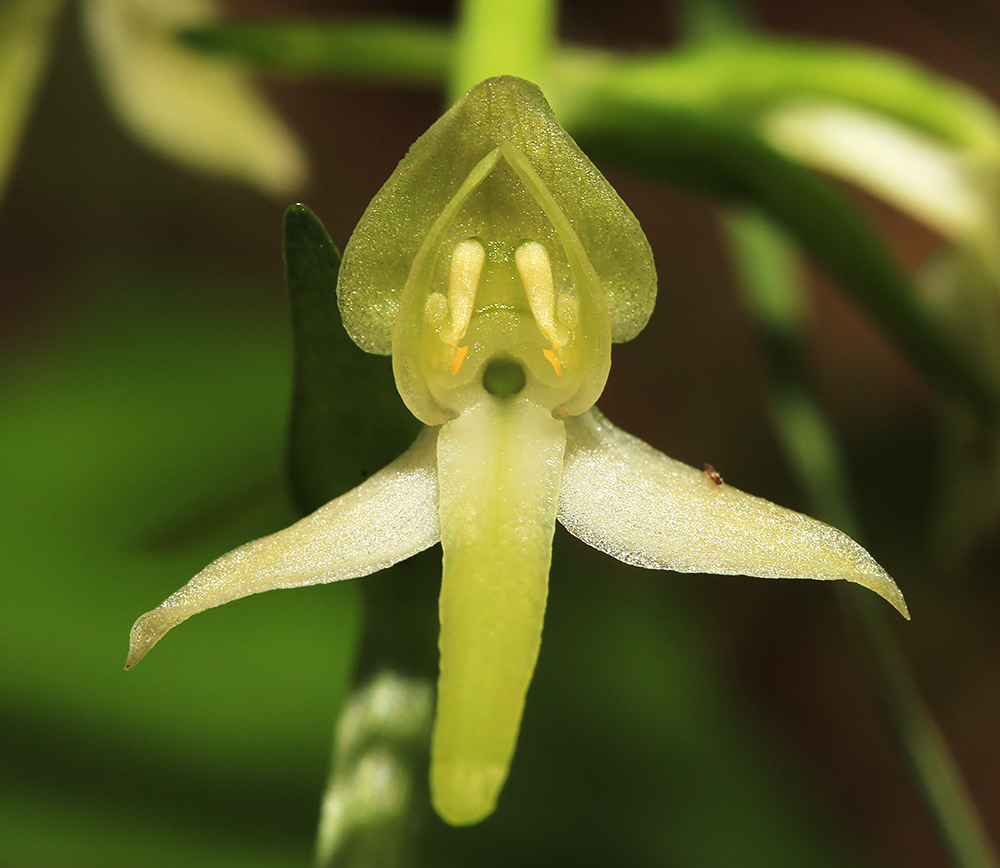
pixel 674 720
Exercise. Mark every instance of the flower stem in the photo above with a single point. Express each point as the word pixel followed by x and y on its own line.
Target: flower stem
pixel 503 37
pixel 769 272
pixel 704 20
pixel 376 801
pixel 959 824
pixel 378 51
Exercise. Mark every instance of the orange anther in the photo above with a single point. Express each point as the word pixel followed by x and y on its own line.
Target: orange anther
pixel 554 361
pixel 458 358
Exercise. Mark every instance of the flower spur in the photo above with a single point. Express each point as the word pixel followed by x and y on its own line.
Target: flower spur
pixel 497 266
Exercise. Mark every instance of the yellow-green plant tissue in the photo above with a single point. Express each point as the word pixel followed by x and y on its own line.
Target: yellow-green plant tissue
pixel 497 266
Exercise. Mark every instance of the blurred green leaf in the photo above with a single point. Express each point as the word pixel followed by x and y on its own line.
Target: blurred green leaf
pixel 712 78
pixel 732 163
pixel 194 109
pixel 138 443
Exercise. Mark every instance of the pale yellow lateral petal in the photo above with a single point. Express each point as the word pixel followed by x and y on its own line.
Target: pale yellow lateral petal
pixel 25 35
pixel 499 464
pixel 388 518
pixel 200 111
pixel 629 500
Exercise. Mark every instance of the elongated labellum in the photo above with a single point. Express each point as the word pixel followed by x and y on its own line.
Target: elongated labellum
pixel 499 468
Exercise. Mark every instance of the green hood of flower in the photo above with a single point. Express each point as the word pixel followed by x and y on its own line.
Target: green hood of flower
pixel 497 225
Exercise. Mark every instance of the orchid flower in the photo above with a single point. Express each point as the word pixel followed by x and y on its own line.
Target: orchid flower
pixel 497 266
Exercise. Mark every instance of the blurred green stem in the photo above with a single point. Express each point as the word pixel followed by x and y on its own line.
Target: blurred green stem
pixel 385 52
pixel 705 20
pixel 377 796
pixel 935 770
pixel 503 37
pixel 770 275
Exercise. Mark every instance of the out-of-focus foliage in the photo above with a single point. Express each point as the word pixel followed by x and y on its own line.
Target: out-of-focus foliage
pixel 144 395
pixel 201 112
pixel 124 466
pixel 24 30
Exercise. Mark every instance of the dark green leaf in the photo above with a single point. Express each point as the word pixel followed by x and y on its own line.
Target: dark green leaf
pixel 140 441
pixel 348 422
pixel 347 419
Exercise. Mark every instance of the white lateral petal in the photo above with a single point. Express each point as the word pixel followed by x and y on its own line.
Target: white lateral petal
pixel 388 518
pixel 499 465
pixel 627 499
